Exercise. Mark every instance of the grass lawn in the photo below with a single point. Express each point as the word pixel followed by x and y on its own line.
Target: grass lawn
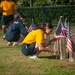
pixel 13 62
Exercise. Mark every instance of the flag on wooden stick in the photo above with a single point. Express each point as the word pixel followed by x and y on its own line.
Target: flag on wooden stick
pixel 66 28
pixel 60 30
pixel 69 42
pixel 31 27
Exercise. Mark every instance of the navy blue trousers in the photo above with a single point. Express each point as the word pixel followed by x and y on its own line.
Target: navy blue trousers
pixel 28 49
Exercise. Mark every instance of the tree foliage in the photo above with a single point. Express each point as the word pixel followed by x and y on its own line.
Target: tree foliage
pixel 40 2
pixel 26 3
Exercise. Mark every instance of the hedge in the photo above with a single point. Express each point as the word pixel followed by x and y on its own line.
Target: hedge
pixel 47 13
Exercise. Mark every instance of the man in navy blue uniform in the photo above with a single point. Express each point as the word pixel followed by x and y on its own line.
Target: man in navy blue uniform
pixel 17 31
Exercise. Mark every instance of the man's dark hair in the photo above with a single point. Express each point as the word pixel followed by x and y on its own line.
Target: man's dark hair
pixel 22 15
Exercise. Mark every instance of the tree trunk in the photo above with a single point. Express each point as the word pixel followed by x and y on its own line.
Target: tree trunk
pixel 31 3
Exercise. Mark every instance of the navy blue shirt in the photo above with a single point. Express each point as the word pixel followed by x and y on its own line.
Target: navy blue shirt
pixel 14 31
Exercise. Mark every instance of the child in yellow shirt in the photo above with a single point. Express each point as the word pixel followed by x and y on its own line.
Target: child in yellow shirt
pixel 34 42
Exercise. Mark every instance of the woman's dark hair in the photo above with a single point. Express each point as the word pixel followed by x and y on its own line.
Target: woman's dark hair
pixel 47 24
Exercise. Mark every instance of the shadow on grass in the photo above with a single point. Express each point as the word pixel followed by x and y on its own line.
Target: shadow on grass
pixel 50 57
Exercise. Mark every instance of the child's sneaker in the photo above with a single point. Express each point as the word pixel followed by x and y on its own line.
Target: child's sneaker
pixel 3 38
pixel 9 44
pixel 15 43
pixel 33 57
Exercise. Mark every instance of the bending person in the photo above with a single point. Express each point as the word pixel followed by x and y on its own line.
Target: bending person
pixel 17 31
pixel 34 42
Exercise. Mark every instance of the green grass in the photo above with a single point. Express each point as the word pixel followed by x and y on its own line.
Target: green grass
pixel 13 62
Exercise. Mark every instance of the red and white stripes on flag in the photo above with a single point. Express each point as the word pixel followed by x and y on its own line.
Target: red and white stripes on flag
pixel 60 31
pixel 69 42
pixel 31 27
pixel 66 29
pixel 69 45
pixel 69 34
pixel 63 30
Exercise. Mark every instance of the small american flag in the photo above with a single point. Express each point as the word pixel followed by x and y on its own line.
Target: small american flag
pixel 69 42
pixel 31 27
pixel 66 28
pixel 60 31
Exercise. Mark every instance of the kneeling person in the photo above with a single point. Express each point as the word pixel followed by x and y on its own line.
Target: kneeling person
pixel 34 42
pixel 17 31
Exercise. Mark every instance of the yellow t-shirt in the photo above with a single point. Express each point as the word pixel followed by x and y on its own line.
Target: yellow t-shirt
pixel 8 7
pixel 34 36
pixel 0 7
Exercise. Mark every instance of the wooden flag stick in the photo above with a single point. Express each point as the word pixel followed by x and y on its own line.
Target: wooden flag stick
pixel 56 43
pixel 70 53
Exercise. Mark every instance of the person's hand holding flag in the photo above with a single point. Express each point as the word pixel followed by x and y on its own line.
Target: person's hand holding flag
pixel 58 37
